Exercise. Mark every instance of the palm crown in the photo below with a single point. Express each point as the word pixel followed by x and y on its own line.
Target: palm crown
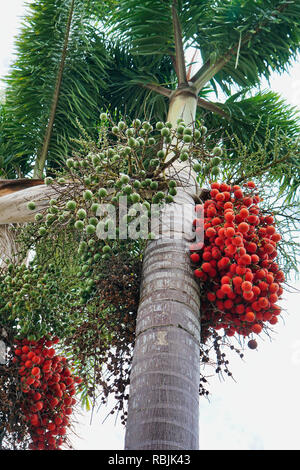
pixel 76 57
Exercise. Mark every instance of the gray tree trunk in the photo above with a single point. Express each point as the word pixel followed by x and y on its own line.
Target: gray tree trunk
pixel 163 408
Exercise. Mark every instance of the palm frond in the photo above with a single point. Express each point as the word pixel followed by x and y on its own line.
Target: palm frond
pixel 249 40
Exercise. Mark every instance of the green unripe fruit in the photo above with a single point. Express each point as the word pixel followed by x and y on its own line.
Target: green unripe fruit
pixel 124 179
pixel 130 132
pixel 71 205
pixel 180 130
pixel 90 229
pixel 79 225
pixel 115 130
pixel 159 125
pixel 49 180
pixel 61 180
pixel 53 209
pixel 148 181
pixel 84 164
pixel 146 205
pixel 151 141
pixel 127 189
pixel 169 199
pixel 97 256
pixel 102 192
pixel 154 185
pixel 103 116
pixel 168 124
pixel 159 195
pixel 216 161
pixel 197 167
pixel 131 142
pixel 154 162
pixel 142 132
pixel 165 132
pixel 93 221
pixel 161 154
pixel 187 139
pixel 184 156
pixel 135 197
pixel 217 151
pixel 147 126
pixel 172 191
pixel 187 131
pixel 172 184
pixel 81 214
pixel 121 125
pixel 70 163
pixel 215 171
pixel 203 130
pixel 136 123
pixel 31 205
pixel 87 195
pixel 95 207
pixel 137 184
pixel 38 217
pixel 197 134
pixel 42 231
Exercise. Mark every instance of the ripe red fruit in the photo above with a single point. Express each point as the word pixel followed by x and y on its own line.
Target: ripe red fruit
pixel 39 405
pixel 256 328
pixel 226 289
pixel 243 227
pixel 206 267
pixel 237 241
pixel 195 258
pixel 244 213
pixel 239 251
pixel 246 286
pixel 35 371
pixel 250 316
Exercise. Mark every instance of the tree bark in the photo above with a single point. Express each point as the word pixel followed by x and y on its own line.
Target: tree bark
pixel 163 408
pixel 13 205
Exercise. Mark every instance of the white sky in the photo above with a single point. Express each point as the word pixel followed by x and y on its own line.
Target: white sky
pixel 261 410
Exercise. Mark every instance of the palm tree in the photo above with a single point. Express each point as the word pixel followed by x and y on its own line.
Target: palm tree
pixel 141 68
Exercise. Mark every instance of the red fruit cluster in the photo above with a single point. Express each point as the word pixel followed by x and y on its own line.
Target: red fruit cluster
pixel 49 388
pixel 241 282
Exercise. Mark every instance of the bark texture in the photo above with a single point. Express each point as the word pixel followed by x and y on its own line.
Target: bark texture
pixel 163 409
pixel 13 204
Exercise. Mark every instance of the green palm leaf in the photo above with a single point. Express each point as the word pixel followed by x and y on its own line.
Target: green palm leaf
pixel 31 83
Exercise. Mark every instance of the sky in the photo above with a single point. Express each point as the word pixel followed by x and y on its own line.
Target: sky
pixel 259 409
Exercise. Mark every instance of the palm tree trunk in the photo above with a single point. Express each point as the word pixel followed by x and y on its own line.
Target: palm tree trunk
pixel 163 408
